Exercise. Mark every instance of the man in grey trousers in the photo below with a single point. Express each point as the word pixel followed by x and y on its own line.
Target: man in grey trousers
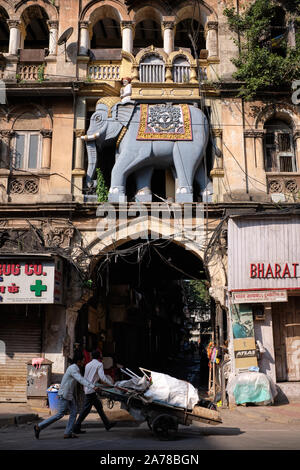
pixel 66 397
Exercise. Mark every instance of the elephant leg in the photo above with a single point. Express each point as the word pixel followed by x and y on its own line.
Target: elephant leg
pixel 123 167
pixel 143 185
pixel 184 161
pixel 204 183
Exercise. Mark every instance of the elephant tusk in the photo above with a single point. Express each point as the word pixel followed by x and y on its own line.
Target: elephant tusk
pixel 90 137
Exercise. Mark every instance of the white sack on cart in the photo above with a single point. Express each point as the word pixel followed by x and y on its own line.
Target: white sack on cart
pixel 139 384
pixel 172 391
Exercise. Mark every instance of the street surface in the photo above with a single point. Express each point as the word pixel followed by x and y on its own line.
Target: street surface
pixel 237 436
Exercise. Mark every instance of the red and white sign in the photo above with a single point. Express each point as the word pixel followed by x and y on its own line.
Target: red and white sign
pixel 30 280
pixel 252 297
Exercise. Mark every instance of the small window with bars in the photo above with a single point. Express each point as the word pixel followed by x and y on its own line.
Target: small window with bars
pixel 26 151
pixel 279 151
pixel 152 70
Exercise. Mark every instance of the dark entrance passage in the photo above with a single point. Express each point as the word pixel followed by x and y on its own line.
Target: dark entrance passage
pixel 140 301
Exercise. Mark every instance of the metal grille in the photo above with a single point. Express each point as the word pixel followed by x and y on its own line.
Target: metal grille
pixel 181 73
pixel 152 73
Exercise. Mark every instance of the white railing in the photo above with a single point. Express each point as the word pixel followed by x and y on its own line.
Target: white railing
pixel 28 72
pixel 152 73
pixel 104 72
pixel 181 73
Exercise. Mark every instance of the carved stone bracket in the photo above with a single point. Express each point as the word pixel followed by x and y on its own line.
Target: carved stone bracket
pixel 84 24
pixel 212 25
pixel 127 25
pixel 14 24
pixel 217 132
pixel 167 25
pixel 253 133
pixel 46 133
pixel 79 133
pixel 52 24
pixel 58 236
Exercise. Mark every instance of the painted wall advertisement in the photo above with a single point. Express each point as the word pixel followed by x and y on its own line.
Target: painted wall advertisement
pixel 243 336
pixel 31 281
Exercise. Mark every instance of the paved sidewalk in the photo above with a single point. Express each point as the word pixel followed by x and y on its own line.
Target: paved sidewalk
pixel 14 414
pixel 283 413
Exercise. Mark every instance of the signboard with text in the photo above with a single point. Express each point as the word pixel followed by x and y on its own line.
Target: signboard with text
pixel 264 254
pixel 252 297
pixel 31 281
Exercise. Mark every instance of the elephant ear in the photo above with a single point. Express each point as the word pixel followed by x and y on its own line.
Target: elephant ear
pixel 100 115
pixel 123 112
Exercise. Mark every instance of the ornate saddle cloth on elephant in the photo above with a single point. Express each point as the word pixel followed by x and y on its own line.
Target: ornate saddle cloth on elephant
pixel 165 122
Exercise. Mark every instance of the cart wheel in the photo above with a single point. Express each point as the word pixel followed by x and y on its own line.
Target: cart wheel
pixel 165 427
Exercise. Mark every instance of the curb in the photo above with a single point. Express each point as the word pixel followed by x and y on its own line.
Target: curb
pixel 19 419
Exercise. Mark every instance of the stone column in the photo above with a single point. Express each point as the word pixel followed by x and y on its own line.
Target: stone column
pixel 127 29
pixel 53 30
pixel 78 172
pixel 212 39
pixel 84 37
pixel 218 148
pixel 14 36
pixel 168 35
pixel 47 141
pixel 297 148
pixel 79 149
pixel 218 170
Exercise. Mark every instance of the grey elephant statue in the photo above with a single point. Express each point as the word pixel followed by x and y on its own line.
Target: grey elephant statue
pixel 122 123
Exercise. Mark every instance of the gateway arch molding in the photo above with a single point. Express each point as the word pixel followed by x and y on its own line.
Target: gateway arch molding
pixel 139 230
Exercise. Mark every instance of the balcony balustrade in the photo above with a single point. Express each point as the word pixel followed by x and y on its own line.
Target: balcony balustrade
pixel 104 71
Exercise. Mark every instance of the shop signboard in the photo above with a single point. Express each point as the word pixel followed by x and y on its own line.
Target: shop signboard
pixel 252 297
pixel 31 280
pixel 264 254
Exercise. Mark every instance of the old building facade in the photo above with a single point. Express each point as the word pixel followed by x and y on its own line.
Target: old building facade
pixel 59 60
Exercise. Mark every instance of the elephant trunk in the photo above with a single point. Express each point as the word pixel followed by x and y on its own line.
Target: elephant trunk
pixel 92 162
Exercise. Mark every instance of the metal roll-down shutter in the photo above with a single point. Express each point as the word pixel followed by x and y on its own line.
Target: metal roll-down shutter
pixel 21 338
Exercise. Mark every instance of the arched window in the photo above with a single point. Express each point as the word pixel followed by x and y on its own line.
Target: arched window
pixel 152 69
pixel 190 36
pixel 37 32
pixel 4 31
pixel 181 70
pixel 106 34
pixel 147 33
pixel 279 146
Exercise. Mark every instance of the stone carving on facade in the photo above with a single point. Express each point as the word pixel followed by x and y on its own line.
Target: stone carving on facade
pixel 58 237
pixel 24 186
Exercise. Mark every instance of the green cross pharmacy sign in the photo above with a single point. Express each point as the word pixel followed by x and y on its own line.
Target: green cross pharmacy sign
pixel 29 280
pixel 38 288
